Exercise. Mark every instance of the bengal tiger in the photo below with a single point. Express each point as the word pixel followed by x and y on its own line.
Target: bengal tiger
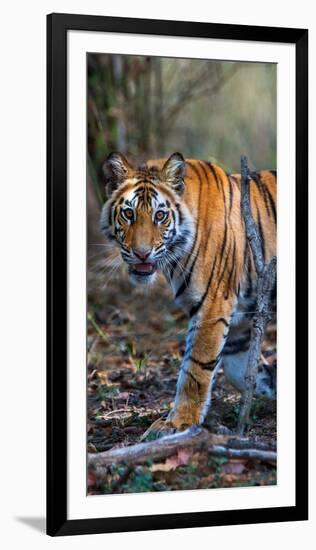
pixel 183 217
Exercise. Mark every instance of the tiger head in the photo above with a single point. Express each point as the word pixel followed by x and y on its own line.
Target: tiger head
pixel 145 214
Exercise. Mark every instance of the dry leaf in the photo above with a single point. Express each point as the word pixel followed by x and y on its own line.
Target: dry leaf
pixel 229 478
pixel 234 467
pixel 180 459
pixel 162 467
pixel 91 479
pixel 91 448
pixel 103 377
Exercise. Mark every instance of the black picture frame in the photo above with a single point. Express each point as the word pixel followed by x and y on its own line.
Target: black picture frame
pixel 57 27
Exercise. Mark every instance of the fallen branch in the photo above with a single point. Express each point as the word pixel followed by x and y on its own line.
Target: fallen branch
pixel 251 454
pixel 194 437
pixel 265 284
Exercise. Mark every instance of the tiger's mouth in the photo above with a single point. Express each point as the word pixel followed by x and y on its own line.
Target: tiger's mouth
pixel 143 269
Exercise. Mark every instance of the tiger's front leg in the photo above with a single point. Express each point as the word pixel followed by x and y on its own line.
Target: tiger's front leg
pixel 205 340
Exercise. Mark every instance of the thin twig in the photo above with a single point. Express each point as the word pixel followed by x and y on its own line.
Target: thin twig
pixel 266 281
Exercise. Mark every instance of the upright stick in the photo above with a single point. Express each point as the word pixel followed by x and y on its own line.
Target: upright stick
pixel 266 274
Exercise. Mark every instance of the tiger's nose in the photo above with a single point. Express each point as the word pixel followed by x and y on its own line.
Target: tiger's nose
pixel 142 252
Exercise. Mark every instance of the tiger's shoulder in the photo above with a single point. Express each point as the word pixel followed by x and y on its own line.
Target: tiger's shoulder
pixel 208 183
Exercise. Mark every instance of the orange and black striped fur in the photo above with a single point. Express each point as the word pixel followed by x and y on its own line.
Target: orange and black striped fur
pixel 184 219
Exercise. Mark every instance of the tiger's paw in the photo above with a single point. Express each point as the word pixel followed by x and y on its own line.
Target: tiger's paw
pixel 159 428
pixel 184 416
pixel 162 427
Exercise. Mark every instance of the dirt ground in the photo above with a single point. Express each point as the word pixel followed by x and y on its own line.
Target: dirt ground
pixel 134 345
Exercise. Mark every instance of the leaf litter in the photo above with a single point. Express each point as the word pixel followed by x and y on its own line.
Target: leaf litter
pixel 135 342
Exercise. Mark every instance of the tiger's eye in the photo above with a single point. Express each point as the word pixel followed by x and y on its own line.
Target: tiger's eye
pixel 159 216
pixel 128 212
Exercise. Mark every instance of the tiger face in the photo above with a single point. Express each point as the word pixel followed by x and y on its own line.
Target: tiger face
pixel 146 215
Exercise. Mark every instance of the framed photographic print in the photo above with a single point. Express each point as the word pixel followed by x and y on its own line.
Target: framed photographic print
pixel 177 305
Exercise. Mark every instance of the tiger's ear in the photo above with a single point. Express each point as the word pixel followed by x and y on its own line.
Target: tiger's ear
pixel 174 172
pixel 115 169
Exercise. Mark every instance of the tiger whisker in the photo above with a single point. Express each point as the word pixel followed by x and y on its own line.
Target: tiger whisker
pixel 173 258
pixel 106 245
pixel 177 260
pixel 105 265
pixel 116 262
pixel 104 261
pixel 112 272
pixel 107 254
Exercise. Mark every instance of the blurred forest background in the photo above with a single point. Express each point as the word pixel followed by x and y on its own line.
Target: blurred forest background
pixel 148 107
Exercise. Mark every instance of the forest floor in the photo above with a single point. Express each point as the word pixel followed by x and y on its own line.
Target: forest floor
pixel 135 345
